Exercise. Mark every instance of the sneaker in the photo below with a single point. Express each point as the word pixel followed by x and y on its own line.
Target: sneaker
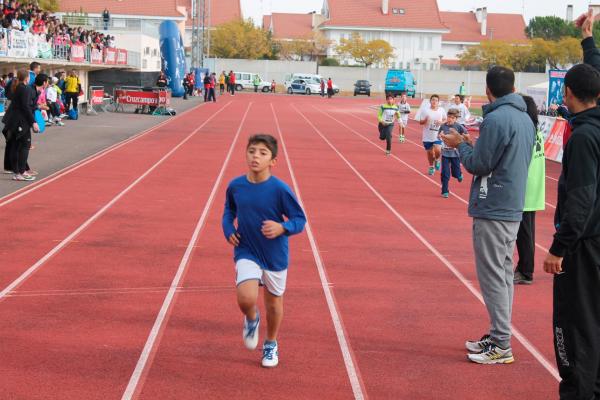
pixel 250 332
pixel 460 178
pixel 493 354
pixel 60 123
pixel 477 346
pixel 521 279
pixel 387 152
pixel 20 177
pixel 437 165
pixel 445 195
pixel 32 172
pixel 401 139
pixel 270 355
pixel 431 171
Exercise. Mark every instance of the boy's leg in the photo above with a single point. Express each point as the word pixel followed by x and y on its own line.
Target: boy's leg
pixel 455 164
pixel 247 296
pixel 380 128
pixel 526 245
pixel 437 155
pixel 248 275
pixel 275 282
pixel 274 306
pixel 388 137
pixel 445 174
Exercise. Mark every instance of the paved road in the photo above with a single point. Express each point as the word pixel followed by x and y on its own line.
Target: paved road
pixel 59 147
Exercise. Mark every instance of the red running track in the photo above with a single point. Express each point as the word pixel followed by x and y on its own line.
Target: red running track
pixel 122 284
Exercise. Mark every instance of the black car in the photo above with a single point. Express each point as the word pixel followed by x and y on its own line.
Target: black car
pixel 362 87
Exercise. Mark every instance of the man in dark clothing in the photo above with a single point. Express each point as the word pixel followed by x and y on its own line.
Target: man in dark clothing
pixel 105 18
pixel 574 256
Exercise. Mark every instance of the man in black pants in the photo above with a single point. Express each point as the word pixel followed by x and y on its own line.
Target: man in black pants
pixel 574 256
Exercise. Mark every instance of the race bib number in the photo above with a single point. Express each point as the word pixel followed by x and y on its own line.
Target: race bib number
pixel 388 116
pixel 435 126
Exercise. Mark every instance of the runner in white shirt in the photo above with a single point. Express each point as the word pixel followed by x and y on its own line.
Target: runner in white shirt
pixel 432 119
pixel 404 110
pixel 464 114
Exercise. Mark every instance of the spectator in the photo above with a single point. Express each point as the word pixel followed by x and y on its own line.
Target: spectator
pixel 72 89
pixel 34 69
pixel 232 82
pixel 52 97
pixel 206 82
pixel 256 82
pixel 462 90
pixel 162 81
pixel 329 88
pixel 105 18
pixel 222 83
pixel 211 88
pixel 499 162
pixel 273 86
pixel 322 88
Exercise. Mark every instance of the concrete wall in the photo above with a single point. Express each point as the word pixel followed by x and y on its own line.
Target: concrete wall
pixel 267 69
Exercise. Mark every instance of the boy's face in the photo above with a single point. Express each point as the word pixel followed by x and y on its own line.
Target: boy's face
pixel 259 157
pixel 390 100
pixel 456 100
pixel 451 119
pixel 434 102
pixel 403 98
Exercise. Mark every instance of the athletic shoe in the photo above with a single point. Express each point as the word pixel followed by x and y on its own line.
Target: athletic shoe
pixel 31 172
pixel 437 165
pixel 401 139
pixel 521 279
pixel 431 171
pixel 60 123
pixel 63 115
pixel 20 177
pixel 387 152
pixel 270 355
pixel 445 195
pixel 493 354
pixel 460 178
pixel 250 332
pixel 477 346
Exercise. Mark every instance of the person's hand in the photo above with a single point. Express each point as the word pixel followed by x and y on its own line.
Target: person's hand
pixel 553 264
pixel 36 127
pixel 553 106
pixel 586 22
pixel 452 139
pixel 234 239
pixel 272 229
pixel 467 138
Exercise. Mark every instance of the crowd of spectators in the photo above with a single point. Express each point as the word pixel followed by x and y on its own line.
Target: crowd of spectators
pixel 28 17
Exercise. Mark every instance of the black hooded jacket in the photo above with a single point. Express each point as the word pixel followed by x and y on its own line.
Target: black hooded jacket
pixel 578 212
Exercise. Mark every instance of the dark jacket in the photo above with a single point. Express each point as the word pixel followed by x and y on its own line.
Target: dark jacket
pixel 577 214
pixel 591 55
pixel 500 160
pixel 20 112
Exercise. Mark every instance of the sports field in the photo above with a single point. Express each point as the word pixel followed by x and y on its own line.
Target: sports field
pixel 122 285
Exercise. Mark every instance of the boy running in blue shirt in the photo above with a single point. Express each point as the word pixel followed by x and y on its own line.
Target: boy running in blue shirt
pixel 450 159
pixel 259 202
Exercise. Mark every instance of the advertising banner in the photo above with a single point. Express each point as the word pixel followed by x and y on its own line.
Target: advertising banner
pixel 141 98
pixel 96 96
pixel 17 44
pixel 556 83
pixel 110 56
pixel 96 56
pixel 121 56
pixel 78 53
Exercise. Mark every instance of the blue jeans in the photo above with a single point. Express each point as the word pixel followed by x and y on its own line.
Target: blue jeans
pixel 450 166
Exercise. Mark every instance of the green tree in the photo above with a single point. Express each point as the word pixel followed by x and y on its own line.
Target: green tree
pixel 366 53
pixel 241 39
pixel 550 28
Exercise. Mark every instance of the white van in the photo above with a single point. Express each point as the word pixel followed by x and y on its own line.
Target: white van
pixel 307 77
pixel 245 80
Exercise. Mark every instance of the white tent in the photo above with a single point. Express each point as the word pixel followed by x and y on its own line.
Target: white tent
pixel 539 93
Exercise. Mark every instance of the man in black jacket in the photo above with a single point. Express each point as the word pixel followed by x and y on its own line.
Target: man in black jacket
pixel 574 256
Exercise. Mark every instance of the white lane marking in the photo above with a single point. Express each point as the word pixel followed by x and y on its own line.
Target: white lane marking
pixel 94 217
pixel 7 199
pixel 353 373
pixel 517 334
pixel 405 163
pixel 149 347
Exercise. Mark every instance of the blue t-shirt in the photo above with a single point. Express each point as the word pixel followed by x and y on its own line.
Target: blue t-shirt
pixel 445 128
pixel 254 203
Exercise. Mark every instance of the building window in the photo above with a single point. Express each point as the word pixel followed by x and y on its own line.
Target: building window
pixel 421 42
pixel 144 63
pixel 429 43
pixel 407 65
pixel 401 65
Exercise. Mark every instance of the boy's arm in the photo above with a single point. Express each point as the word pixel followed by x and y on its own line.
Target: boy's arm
pixel 380 114
pixel 481 159
pixel 229 214
pixel 581 183
pixel 294 213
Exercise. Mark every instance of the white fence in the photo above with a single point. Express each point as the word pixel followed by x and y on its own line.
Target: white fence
pixel 428 82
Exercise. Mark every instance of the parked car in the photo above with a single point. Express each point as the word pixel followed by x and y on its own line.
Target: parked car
pixel 309 77
pixel 398 81
pixel 304 86
pixel 362 87
pixel 245 80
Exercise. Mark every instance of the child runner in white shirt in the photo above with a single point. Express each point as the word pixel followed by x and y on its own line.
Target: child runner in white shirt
pixel 463 112
pixel 404 110
pixel 432 119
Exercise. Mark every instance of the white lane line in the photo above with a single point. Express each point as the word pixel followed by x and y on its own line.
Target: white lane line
pixel 7 199
pixel 420 146
pixel 405 163
pixel 516 333
pixel 347 354
pixel 25 275
pixel 163 314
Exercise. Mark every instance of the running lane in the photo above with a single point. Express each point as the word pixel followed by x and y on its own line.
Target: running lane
pixel 38 220
pixel 201 354
pixel 75 329
pixel 406 315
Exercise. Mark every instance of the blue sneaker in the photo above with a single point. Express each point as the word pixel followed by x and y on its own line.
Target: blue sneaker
pixel 460 178
pixel 270 355
pixel 250 332
pixel 445 195
pixel 438 164
pixel 431 171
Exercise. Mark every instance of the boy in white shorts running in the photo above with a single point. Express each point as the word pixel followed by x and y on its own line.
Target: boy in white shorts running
pixel 259 201
pixel 404 110
pixel 432 119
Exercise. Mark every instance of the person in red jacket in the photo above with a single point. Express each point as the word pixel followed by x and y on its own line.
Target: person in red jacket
pixel 232 82
pixel 329 88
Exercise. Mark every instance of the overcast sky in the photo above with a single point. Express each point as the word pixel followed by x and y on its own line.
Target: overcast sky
pixel 256 8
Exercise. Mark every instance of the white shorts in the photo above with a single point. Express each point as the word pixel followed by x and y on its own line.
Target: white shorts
pixel 274 281
pixel 403 123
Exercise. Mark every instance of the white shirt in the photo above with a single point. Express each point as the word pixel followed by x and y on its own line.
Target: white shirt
pixel 404 109
pixel 464 113
pixel 432 127
pixel 51 94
